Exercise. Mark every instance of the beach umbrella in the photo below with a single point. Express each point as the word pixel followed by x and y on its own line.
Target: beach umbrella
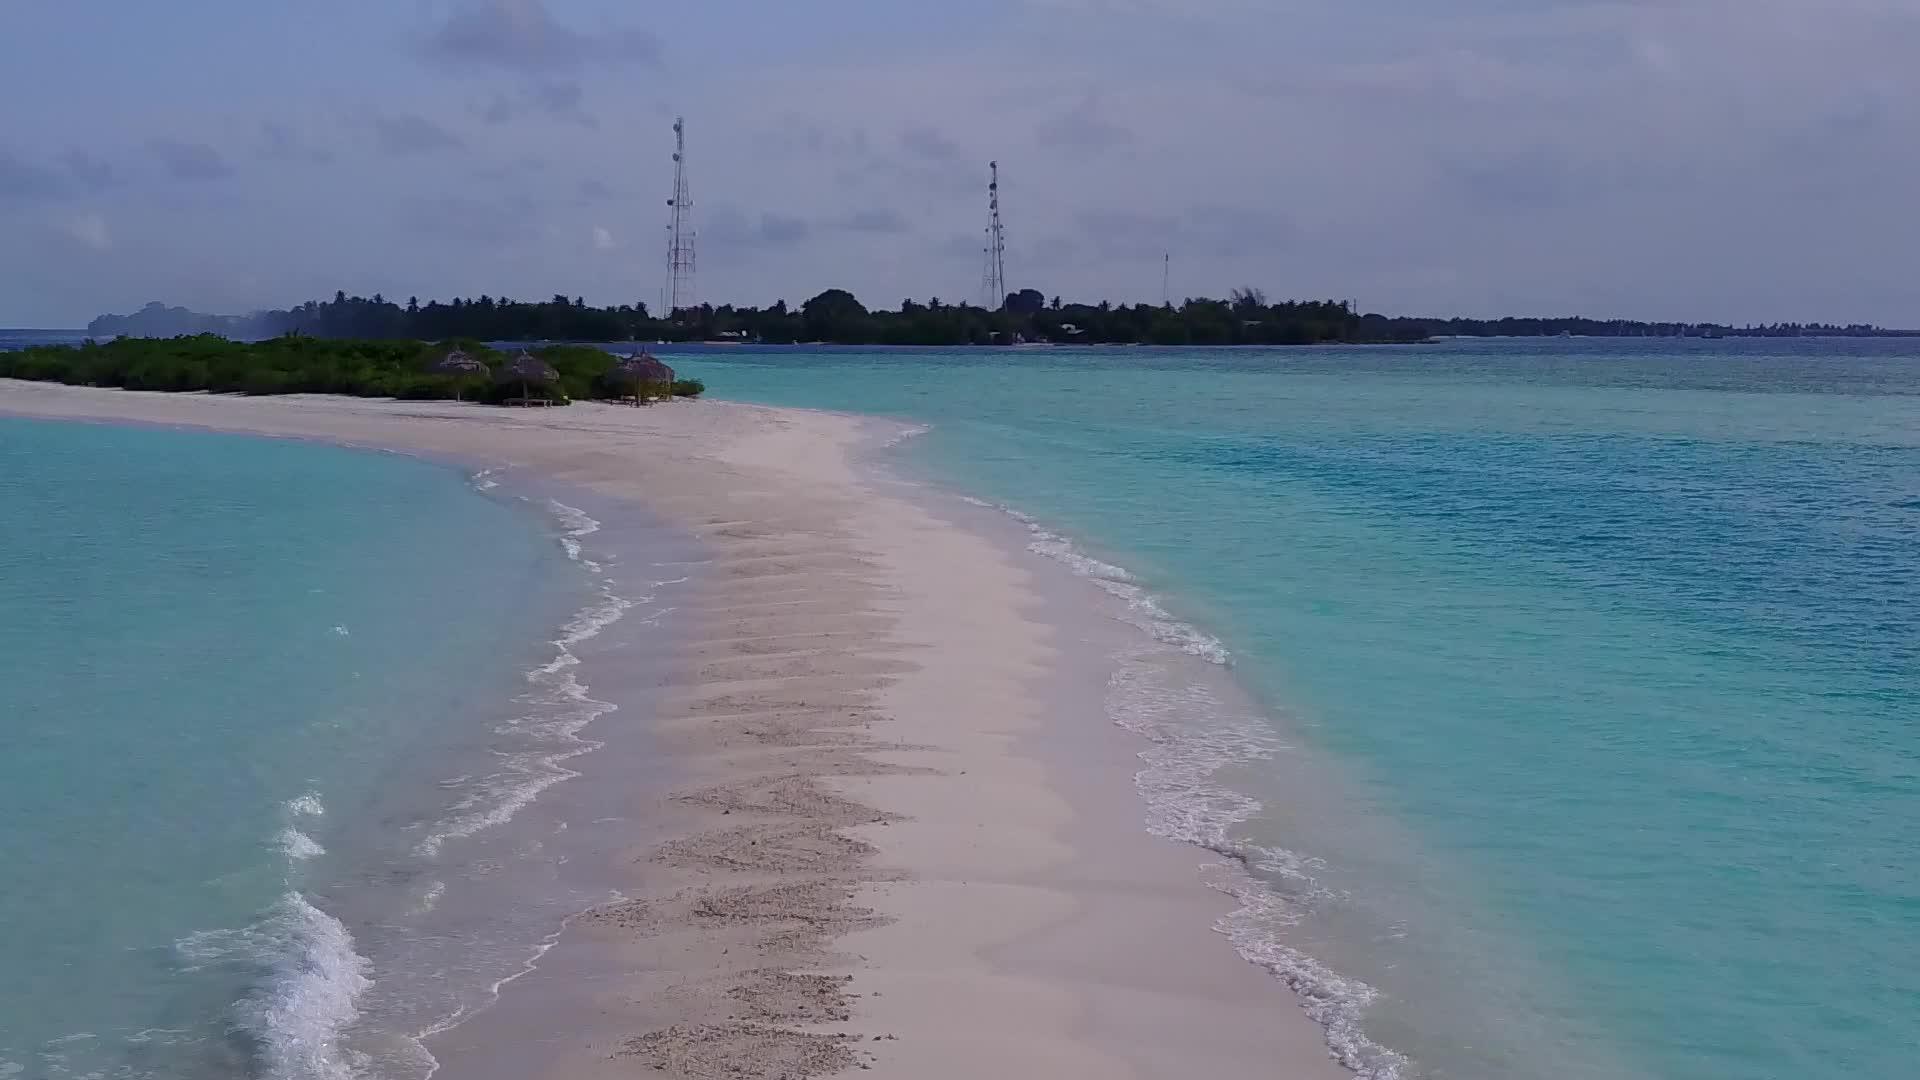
pixel 458 364
pixel 527 369
pixel 642 370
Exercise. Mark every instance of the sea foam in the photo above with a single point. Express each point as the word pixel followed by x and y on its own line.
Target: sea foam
pixel 298 845
pixel 294 843
pixel 304 1008
pixel 575 525
pixel 1193 735
pixel 1143 611
pixel 307 980
pixel 561 709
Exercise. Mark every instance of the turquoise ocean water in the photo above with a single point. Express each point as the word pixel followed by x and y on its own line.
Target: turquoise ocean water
pixel 1571 732
pixel 1585 674
pixel 268 711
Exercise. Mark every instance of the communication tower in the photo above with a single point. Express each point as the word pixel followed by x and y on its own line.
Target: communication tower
pixel 993 281
pixel 679 291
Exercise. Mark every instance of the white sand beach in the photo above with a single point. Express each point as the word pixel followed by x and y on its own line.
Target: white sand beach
pixel 896 846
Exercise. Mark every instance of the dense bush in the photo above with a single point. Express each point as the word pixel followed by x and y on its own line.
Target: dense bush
pixel 304 365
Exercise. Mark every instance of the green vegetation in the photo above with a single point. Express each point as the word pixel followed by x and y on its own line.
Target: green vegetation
pixel 836 316
pixel 293 364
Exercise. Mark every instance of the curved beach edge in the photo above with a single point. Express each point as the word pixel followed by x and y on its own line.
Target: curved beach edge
pixel 863 863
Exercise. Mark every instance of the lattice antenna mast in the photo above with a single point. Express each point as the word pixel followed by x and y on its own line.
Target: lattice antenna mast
pixel 679 294
pixel 993 281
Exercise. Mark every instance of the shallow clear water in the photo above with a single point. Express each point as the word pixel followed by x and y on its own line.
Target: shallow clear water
pixel 1587 670
pixel 267 708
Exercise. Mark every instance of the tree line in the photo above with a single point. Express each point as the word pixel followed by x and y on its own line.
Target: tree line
pixel 836 316
pixel 299 364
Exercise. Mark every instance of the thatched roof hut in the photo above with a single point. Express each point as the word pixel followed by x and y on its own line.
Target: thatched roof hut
pixel 645 372
pixel 645 366
pixel 528 370
pixel 458 364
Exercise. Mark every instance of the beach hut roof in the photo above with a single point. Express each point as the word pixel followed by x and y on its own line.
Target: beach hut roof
pixel 457 362
pixel 527 368
pixel 642 367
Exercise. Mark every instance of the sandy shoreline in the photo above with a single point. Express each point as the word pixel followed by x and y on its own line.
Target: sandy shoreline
pixel 905 840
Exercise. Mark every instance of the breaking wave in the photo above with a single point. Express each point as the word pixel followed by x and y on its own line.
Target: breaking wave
pixel 306 979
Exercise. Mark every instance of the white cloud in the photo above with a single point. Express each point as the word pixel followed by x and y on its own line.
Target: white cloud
pixel 1726 159
pixel 522 34
pixel 89 231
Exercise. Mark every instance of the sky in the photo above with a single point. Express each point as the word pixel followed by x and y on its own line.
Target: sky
pixel 1727 160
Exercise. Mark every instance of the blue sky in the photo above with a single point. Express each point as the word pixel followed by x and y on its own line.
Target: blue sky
pixel 1716 159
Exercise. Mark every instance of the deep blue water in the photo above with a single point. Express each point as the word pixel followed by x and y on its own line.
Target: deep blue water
pixel 1588 670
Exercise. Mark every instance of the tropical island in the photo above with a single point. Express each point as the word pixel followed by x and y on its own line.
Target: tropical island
pixel 837 317
pixel 298 364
